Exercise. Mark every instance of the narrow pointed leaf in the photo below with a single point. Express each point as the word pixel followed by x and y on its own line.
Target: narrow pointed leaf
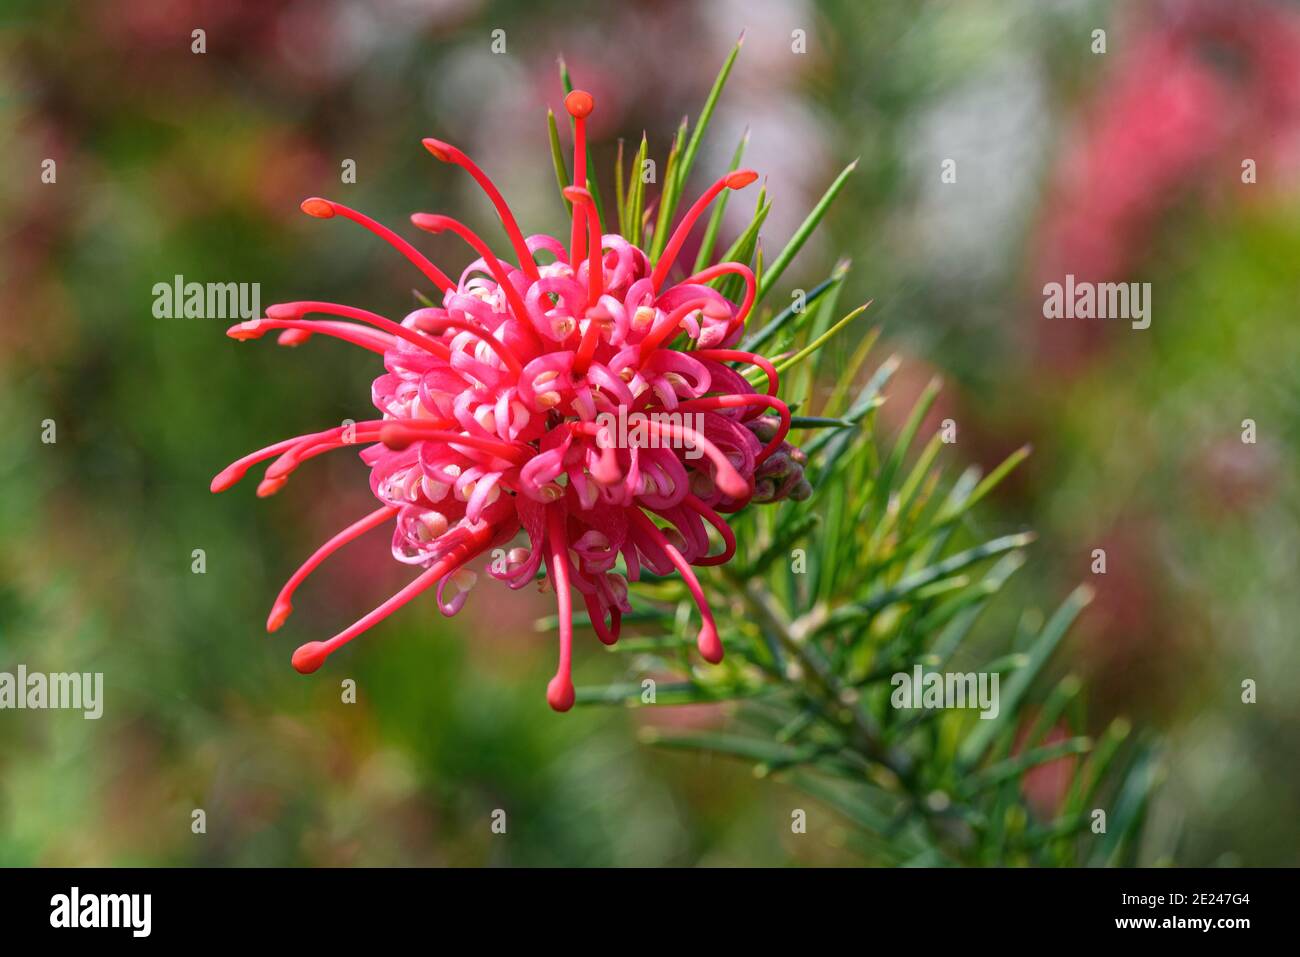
pixel 557 159
pixel 805 230
pixel 811 349
pixel 906 586
pixel 620 197
pixel 978 741
pixel 706 114
pixel 756 339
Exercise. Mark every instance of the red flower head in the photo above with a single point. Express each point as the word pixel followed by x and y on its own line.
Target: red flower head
pixel 547 398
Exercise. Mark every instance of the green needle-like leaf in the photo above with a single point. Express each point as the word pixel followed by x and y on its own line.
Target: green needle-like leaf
pixel 737 746
pixel 557 158
pixel 667 197
pixel 906 586
pixel 706 114
pixel 864 403
pixel 636 195
pixel 818 422
pixel 1129 807
pixel 666 693
pixel 756 339
pixel 805 230
pixel 991 482
pixel 1015 767
pixel 620 197
pixel 977 742
pixel 812 347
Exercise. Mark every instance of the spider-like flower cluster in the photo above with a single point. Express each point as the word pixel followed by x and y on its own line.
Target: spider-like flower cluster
pixel 497 412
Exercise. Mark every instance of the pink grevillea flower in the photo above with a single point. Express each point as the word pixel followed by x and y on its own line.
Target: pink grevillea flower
pixel 503 414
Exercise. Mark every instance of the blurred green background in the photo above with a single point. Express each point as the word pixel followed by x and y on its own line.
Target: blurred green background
pixel 1123 166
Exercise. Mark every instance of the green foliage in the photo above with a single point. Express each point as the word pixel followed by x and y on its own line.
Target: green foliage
pixel 881 571
pixel 825 600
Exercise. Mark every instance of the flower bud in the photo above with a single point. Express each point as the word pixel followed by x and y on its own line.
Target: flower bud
pixel 778 466
pixel 764 427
